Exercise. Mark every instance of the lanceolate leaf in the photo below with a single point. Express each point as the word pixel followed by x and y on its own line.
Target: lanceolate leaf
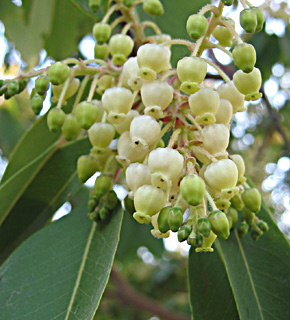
pixel 259 272
pixel 210 294
pixel 60 272
pixel 46 191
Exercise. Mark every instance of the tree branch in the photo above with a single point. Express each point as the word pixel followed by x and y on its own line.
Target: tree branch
pixel 129 296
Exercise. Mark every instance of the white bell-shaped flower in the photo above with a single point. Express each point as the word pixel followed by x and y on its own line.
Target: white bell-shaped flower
pixel 127 152
pixel 229 92
pixel 222 174
pixel 239 162
pixel 117 102
pixel 144 131
pixel 130 78
pixel 152 59
pixel 249 84
pixel 137 174
pixel 215 139
pixel 204 105
pixel 125 125
pixel 148 200
pixel 156 97
pixel 101 134
pixel 165 165
pixel 224 113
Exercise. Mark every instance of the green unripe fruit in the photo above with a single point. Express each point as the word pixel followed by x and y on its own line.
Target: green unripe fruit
pixel 162 219
pixel 128 3
pixel 101 32
pixel 252 199
pixel 204 226
pixel 86 167
pixel 196 26
pixel 103 184
pixel 129 205
pixel 183 233
pixel 244 56
pixel 260 18
pixel 12 88
pixel 120 46
pixel 175 218
pixel 219 224
pixel 94 5
pixel 227 2
pixel 243 229
pixel 86 114
pixel 263 226
pixel 55 119
pixel 36 103
pixel 248 20
pixel 58 73
pixel 234 216
pixel 236 202
pixel 41 85
pixel 192 188
pixel 101 51
pixel 153 7
pixel 22 84
pixel 248 216
pixel 71 127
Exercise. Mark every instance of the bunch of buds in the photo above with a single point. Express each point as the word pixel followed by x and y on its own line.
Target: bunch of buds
pixel 188 183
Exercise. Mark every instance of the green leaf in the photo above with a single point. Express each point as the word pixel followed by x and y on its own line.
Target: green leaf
pixel 38 199
pixel 173 22
pixel 84 6
pixel 127 249
pixel 259 270
pixel 210 294
pixel 61 272
pixel 53 25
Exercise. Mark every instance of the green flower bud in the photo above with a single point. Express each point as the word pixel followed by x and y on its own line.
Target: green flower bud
pixel 175 218
pixel 227 2
pixel 120 46
pixel 204 226
pixel 36 103
pixel 12 88
pixel 244 56
pixel 256 234
pixel 248 216
pixel 58 73
pixel 219 224
pixel 71 127
pixel 102 185
pixel 86 167
pixel 248 20
pixel 94 216
pixel 223 34
pixel 92 204
pixel 86 114
pixel 230 220
pixel 207 243
pixel 236 202
pixel 243 229
pixel 101 51
pixel 153 7
pixel 191 239
pixel 260 18
pixel 196 26
pixel 183 233
pixel 162 219
pixel 263 225
pixel 105 82
pixel 41 85
pixel 104 213
pixel 22 84
pixel 129 205
pixel 234 216
pixel 252 199
pixel 94 5
pixel 101 32
pixel 192 188
pixel 128 3
pixel 110 200
pixel 55 119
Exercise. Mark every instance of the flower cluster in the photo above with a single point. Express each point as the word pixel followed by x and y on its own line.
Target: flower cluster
pixel 172 126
